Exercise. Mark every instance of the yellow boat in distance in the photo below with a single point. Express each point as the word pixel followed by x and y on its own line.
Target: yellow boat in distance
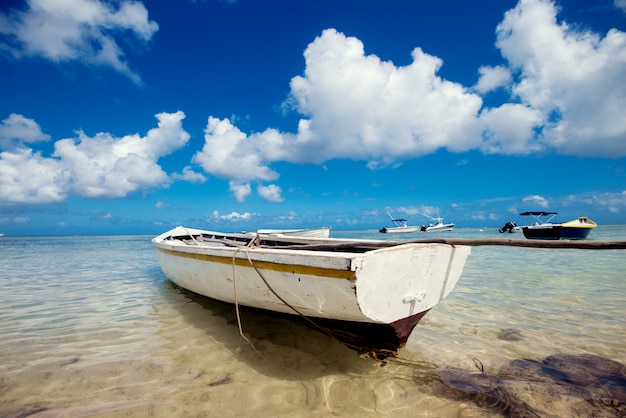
pixel 575 229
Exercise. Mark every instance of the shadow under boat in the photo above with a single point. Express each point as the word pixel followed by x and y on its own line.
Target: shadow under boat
pixel 377 341
pixel 583 385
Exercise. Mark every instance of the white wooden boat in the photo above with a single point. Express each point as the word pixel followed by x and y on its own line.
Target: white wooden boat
pixel 321 232
pixel 401 227
pixel 375 291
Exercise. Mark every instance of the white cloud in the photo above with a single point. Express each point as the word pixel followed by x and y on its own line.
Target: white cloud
pixel 362 108
pixel 240 191
pixel 270 192
pixel 569 98
pixel 492 78
pixel 236 216
pixel 81 30
pixel 359 108
pixel 102 166
pixel 27 177
pixel 6 220
pixel 190 176
pixel 510 129
pixel 620 4
pixel 615 202
pixel 230 153
pixel 574 77
pixel 536 201
pixel 161 205
pixel 17 130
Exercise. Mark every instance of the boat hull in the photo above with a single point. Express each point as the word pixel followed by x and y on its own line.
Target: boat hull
pixel 574 229
pixel 440 228
pixel 390 287
pixel 542 232
pixel 574 233
pixel 577 228
pixel 399 230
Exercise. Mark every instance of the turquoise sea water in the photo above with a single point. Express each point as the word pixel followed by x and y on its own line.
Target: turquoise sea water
pixel 89 326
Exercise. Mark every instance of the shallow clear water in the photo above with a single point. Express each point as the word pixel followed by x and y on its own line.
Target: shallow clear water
pixel 90 327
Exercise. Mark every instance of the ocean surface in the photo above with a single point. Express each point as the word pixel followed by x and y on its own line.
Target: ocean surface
pixel 89 326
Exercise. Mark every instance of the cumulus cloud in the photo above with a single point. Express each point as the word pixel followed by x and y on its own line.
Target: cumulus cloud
pixel 574 77
pixel 620 4
pixel 357 107
pixel 240 191
pixel 568 97
pixel 101 166
pixel 27 177
pixel 16 130
pixel 189 175
pixel 82 30
pixel 230 153
pixel 105 166
pixel 615 202
pixel 362 108
pixel 7 220
pixel 492 78
pixel 510 130
pixel 536 201
pixel 234 216
pixel 270 192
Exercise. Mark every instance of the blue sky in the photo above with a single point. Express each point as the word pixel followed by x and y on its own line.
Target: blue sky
pixel 134 117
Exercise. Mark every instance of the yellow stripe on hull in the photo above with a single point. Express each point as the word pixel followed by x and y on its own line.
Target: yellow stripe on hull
pixel 265 265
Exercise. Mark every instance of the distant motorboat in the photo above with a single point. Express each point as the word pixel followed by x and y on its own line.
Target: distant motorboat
pixel 401 227
pixel 437 225
pixel 575 229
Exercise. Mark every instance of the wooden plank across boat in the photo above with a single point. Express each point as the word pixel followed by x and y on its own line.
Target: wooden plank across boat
pixel 370 294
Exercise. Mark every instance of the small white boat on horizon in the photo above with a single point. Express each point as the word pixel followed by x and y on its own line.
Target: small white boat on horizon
pixel 437 226
pixel 401 227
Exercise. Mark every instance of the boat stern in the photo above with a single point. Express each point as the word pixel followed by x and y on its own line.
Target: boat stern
pixel 401 281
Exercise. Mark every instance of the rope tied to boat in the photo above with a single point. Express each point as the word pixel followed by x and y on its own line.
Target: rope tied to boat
pixel 249 245
pixel 255 242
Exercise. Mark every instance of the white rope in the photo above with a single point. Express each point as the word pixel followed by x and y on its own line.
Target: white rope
pixel 235 295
